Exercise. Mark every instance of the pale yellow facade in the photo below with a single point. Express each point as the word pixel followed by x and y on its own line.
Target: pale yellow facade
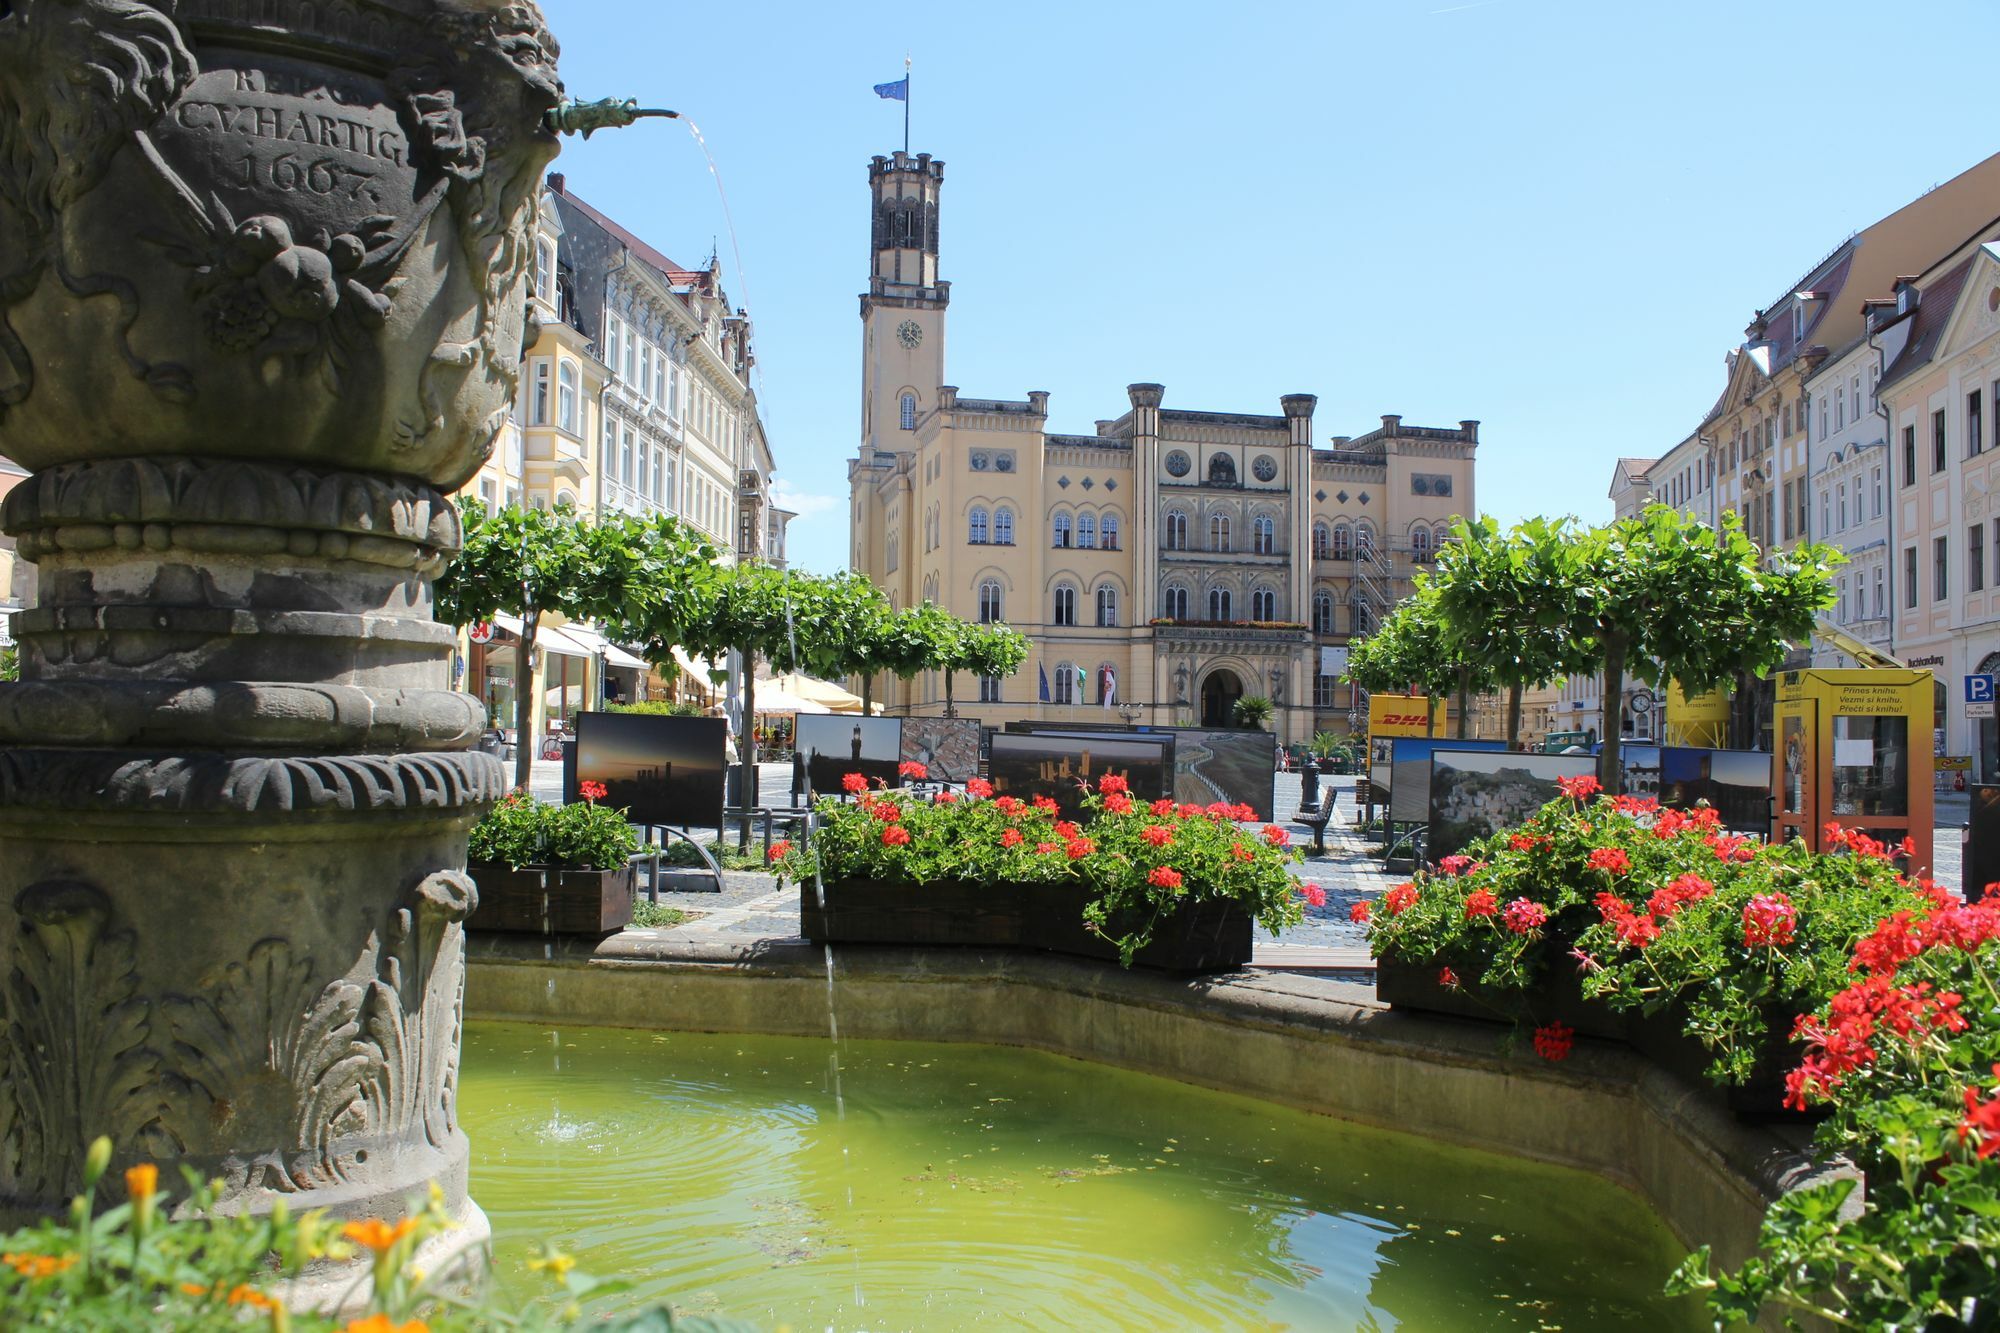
pixel 1178 559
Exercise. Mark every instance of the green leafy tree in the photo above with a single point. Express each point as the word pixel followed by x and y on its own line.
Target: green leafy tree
pixel 1505 605
pixel 993 650
pixel 1254 710
pixel 1409 650
pixel 10 664
pixel 535 562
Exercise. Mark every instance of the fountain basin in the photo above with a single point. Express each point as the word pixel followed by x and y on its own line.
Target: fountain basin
pixel 1304 1043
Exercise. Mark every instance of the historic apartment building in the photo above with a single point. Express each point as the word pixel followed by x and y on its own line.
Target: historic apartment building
pixel 1165 565
pixel 636 397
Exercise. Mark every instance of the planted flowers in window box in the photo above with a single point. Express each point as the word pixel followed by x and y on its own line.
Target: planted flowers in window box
pixel 1158 885
pixel 552 869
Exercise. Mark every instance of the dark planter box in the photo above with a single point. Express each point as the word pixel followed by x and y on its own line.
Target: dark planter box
pixel 1559 999
pixel 1198 937
pixel 573 902
pixel 1660 1038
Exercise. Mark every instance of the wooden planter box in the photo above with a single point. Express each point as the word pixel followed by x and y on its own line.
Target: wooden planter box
pixel 1200 937
pixel 573 902
pixel 1659 1037
pixel 1414 986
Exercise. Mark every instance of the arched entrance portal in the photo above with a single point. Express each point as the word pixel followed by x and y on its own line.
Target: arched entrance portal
pixel 1219 694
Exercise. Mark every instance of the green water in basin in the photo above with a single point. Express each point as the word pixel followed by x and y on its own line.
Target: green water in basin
pixel 976 1186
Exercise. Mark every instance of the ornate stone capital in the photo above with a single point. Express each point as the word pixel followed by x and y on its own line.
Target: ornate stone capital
pixel 118 781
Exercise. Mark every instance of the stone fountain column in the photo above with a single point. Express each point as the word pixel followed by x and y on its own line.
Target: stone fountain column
pixel 262 274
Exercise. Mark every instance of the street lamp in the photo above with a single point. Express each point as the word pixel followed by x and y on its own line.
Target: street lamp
pixel 1131 713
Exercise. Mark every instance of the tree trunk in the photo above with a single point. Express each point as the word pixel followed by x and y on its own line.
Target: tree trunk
pixel 527 744
pixel 1464 701
pixel 1610 771
pixel 1513 715
pixel 1430 715
pixel 867 694
pixel 949 710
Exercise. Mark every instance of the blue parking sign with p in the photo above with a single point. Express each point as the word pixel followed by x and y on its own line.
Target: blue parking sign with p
pixel 1979 689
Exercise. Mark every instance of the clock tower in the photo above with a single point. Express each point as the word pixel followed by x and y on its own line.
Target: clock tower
pixel 902 312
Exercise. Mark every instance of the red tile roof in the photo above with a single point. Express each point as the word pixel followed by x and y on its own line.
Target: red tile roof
pixel 668 269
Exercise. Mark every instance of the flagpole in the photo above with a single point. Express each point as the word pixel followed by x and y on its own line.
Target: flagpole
pixel 906 105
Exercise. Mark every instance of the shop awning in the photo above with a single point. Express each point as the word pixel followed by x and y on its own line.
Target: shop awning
pixel 597 643
pixel 698 667
pixel 565 641
pixel 834 698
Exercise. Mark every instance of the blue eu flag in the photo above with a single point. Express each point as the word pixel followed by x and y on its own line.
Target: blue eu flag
pixel 899 91
pixel 1044 673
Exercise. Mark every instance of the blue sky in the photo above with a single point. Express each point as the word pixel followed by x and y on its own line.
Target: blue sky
pixel 1552 217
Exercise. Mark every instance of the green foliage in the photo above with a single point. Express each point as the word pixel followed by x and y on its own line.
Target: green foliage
pixel 651 915
pixel 657 708
pixel 1254 710
pixel 1128 878
pixel 184 1265
pixel 522 831
pixel 1409 650
pixel 1501 602
pixel 10 664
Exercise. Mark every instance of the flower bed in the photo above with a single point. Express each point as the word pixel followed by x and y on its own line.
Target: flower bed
pixel 1156 884
pixel 1679 931
pixel 552 869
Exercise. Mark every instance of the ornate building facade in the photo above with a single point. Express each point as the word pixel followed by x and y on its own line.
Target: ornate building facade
pixel 1163 566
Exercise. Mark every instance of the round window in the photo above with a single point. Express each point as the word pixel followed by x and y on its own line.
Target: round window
pixel 1003 462
pixel 1178 464
pixel 978 462
pixel 1265 468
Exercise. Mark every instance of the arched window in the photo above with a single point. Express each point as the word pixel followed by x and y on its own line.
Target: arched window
pixel 1361 616
pixel 1343 542
pixel 1107 605
pixel 1420 543
pixel 1221 470
pixel 1175 535
pixel 1086 531
pixel 990 609
pixel 1440 535
pixel 1003 526
pixel 566 397
pixel 1323 612
pixel 1175 604
pixel 975 527
pixel 909 411
pixel 1064 685
pixel 1109 527
pixel 1061 528
pixel 565 498
pixel 1065 605
pixel 1219 605
pixel 1364 540
pixel 1218 532
pixel 1263 535
pixel 1322 538
pixel 1263 604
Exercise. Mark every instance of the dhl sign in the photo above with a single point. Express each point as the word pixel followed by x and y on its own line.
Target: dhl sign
pixel 1398 715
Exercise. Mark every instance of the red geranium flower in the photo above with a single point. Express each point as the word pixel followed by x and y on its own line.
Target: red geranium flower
pixel 1162 807
pixel 1553 1041
pixel 1454 864
pixel 1526 842
pixel 1579 789
pixel 782 847
pixel 1769 920
pixel 887 811
pixel 1241 853
pixel 1066 828
pixel 913 770
pixel 1044 803
pixel 946 797
pixel 591 791
pixel 1637 931
pixel 1982 1118
pixel 1480 902
pixel 1159 835
pixel 1112 785
pixel 853 783
pixel 1611 860
pixel 979 787
pixel 1314 895
pixel 1009 806
pixel 1400 899
pixel 1011 838
pixel 1078 848
pixel 1164 877
pixel 1276 836
pixel 1358 912
pixel 895 835
pixel 1044 848
pixel 1523 915
pixel 1118 804
pixel 1447 978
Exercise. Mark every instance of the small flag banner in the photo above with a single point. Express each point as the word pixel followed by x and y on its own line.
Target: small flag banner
pixel 899 91
pixel 1043 672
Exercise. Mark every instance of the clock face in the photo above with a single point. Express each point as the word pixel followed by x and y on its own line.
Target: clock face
pixel 909 333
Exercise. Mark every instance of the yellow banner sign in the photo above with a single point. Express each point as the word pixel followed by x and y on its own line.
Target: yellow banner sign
pixel 1398 715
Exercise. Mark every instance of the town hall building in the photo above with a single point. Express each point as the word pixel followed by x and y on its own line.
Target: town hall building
pixel 1163 567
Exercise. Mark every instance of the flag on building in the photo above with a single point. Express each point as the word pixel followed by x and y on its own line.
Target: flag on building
pixel 899 91
pixel 1043 672
pixel 1107 685
pixel 1082 685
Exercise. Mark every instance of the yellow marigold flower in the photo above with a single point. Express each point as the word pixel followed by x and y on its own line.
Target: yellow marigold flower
pixel 193 1289
pixel 245 1294
pixel 379 1323
pixel 378 1235
pixel 555 1264
pixel 142 1181
pixel 37 1266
